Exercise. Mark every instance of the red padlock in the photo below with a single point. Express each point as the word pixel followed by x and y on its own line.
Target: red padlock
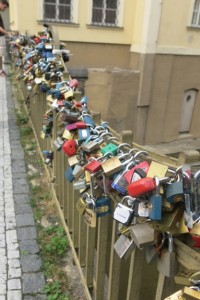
pixel 76 125
pixel 129 174
pixel 93 166
pixel 70 147
pixel 141 186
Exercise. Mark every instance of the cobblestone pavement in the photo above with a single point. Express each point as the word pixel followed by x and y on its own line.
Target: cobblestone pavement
pixel 20 264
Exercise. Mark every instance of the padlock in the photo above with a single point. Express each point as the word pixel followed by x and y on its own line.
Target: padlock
pixel 124 246
pixel 195 231
pixel 69 94
pixel 91 145
pixel 103 203
pixel 180 226
pixel 73 160
pixel 66 115
pixel 88 119
pixel 142 234
pixel 73 83
pixel 120 183
pixel 71 127
pixel 69 174
pixel 169 219
pixel 190 293
pixel 113 165
pixel 194 278
pixel 103 206
pixel 157 169
pixel 141 187
pixel 78 171
pixel 93 166
pixel 176 296
pixel 196 208
pixel 156 202
pixel 110 148
pixel 68 135
pixel 187 200
pixel 48 157
pixel 79 184
pixel 152 251
pixel 70 147
pixel 141 208
pixel 144 166
pixel 174 192
pixel 81 203
pixel 84 134
pixel 90 214
pixel 123 213
pixel 58 143
pixel 183 277
pixel 167 263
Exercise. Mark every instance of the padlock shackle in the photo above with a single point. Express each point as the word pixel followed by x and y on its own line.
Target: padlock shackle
pixel 140 153
pixel 196 191
pixel 170 243
pixel 124 145
pixel 113 138
pixel 157 182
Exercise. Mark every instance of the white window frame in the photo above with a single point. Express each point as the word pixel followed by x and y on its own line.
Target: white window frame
pixel 196 24
pixel 119 16
pixel 74 13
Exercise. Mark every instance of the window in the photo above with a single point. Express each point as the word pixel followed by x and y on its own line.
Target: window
pixel 196 14
pixel 57 10
pixel 105 12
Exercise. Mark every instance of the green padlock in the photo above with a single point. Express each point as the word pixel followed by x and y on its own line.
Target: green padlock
pixel 110 148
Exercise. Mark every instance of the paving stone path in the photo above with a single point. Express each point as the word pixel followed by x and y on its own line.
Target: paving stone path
pixel 20 263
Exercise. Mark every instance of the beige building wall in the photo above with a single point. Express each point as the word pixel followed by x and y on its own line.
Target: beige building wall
pixel 138 72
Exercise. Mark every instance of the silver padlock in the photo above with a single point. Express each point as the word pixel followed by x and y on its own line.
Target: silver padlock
pixel 142 234
pixel 124 246
pixel 124 213
pixel 167 263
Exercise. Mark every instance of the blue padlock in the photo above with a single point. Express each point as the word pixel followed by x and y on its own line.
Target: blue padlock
pixel 84 134
pixel 174 192
pixel 155 207
pixel 103 206
pixel 69 174
pixel 88 120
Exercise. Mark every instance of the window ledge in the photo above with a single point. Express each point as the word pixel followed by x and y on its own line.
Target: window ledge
pixel 192 27
pixel 95 26
pixel 70 24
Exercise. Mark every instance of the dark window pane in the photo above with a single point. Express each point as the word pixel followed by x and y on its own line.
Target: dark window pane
pixel 111 16
pixel 196 6
pixel 97 15
pixel 64 12
pixel 65 2
pixel 50 1
pixel 97 3
pixel 111 4
pixel 49 11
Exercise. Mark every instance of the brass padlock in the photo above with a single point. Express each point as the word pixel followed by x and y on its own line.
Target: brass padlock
pixel 190 293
